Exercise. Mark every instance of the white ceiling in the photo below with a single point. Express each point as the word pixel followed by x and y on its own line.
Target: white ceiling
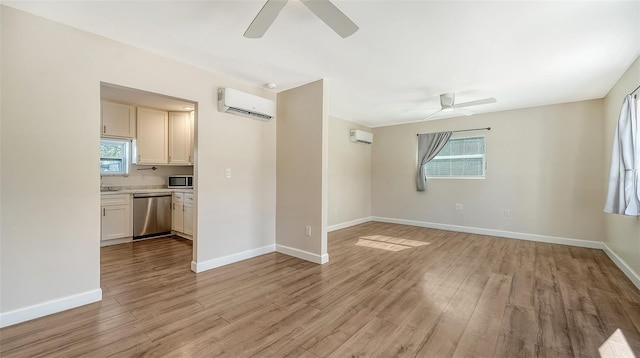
pixel 405 54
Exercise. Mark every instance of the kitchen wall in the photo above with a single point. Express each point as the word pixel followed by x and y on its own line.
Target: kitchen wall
pixel 544 164
pixel 302 152
pixel 146 176
pixel 50 113
pixel 349 175
pixel 622 233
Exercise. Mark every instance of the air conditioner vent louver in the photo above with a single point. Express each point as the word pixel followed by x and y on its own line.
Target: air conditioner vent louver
pixel 244 104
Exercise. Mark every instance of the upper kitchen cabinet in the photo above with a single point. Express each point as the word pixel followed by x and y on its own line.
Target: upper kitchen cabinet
pixel 118 120
pixel 180 138
pixel 152 138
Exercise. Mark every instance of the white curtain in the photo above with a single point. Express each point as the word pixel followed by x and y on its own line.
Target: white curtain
pixel 429 145
pixel 623 196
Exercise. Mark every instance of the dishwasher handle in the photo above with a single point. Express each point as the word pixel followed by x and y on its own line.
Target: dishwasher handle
pixel 150 195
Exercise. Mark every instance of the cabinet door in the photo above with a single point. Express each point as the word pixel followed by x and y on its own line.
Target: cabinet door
pixel 177 216
pixel 192 137
pixel 152 137
pixel 188 218
pixel 116 222
pixel 118 120
pixel 179 138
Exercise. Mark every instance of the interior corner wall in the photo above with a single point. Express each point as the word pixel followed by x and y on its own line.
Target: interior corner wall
pixel 349 175
pixel 622 233
pixel 301 172
pixel 544 164
pixel 50 200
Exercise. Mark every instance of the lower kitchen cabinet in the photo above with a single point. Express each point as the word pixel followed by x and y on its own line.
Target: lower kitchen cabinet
pixel 115 217
pixel 182 213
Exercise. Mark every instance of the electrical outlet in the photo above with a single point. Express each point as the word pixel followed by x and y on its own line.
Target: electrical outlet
pixel 307 230
pixel 227 173
pixel 458 207
pixel 507 213
pixel 335 210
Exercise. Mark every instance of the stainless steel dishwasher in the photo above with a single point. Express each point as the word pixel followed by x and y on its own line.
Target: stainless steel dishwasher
pixel 151 215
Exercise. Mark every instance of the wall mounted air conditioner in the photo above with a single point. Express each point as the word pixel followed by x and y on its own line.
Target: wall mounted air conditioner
pixel 358 136
pixel 245 104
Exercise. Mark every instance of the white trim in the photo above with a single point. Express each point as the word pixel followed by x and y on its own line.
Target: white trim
pixel 491 232
pixel 628 271
pixel 304 255
pixel 347 224
pixel 123 240
pixel 49 307
pixel 225 260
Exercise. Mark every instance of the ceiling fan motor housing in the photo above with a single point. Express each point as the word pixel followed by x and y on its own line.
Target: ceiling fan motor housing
pixel 447 99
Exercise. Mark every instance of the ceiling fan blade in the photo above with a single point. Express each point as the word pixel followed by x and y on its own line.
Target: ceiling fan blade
pixel 332 16
pixel 433 114
pixel 466 112
pixel 475 103
pixel 264 19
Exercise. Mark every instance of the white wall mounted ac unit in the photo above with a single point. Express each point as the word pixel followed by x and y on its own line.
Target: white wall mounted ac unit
pixel 358 136
pixel 244 104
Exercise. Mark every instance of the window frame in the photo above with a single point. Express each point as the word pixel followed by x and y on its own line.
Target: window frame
pixel 126 158
pixel 467 156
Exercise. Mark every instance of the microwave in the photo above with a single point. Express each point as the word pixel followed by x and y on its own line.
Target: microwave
pixel 180 181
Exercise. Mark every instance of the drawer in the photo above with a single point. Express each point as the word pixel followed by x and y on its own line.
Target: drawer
pixel 188 197
pixel 178 197
pixel 114 199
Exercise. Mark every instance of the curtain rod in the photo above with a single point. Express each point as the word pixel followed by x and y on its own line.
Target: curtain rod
pixel 468 130
pixel 635 90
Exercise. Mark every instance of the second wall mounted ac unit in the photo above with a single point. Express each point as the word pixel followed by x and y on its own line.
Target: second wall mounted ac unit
pixel 358 136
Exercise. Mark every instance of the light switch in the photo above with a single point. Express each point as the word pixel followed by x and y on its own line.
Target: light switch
pixel 227 173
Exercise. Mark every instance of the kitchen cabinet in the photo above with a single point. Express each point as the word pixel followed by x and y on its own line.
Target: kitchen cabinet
pixel 192 136
pixel 152 137
pixel 177 212
pixel 115 217
pixel 117 120
pixel 188 213
pixel 180 142
pixel 182 213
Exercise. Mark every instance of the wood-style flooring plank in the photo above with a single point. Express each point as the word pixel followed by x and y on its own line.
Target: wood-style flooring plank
pixel 444 294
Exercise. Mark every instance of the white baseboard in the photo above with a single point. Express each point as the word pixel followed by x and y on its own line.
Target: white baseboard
pixel 225 260
pixel 50 307
pixel 633 276
pixel 347 224
pixel 491 232
pixel 115 241
pixel 304 255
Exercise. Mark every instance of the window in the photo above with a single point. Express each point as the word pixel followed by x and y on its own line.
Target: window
pixel 114 157
pixel 460 158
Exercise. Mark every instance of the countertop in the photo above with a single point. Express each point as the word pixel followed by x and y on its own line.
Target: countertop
pixel 135 191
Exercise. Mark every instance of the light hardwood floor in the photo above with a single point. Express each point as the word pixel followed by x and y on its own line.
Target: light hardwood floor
pixel 441 294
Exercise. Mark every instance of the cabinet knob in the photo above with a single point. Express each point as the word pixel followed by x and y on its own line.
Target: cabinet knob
pixel 104 212
pixel 104 129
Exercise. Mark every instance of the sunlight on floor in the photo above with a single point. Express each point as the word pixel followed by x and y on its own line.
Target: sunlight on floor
pixel 388 243
pixel 616 346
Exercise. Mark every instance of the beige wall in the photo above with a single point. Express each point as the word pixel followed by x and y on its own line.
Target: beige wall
pixel 302 172
pixel 50 201
pixel 544 164
pixel 349 174
pixel 622 233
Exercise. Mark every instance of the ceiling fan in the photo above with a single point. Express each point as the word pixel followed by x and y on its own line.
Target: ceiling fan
pixel 324 9
pixel 447 104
